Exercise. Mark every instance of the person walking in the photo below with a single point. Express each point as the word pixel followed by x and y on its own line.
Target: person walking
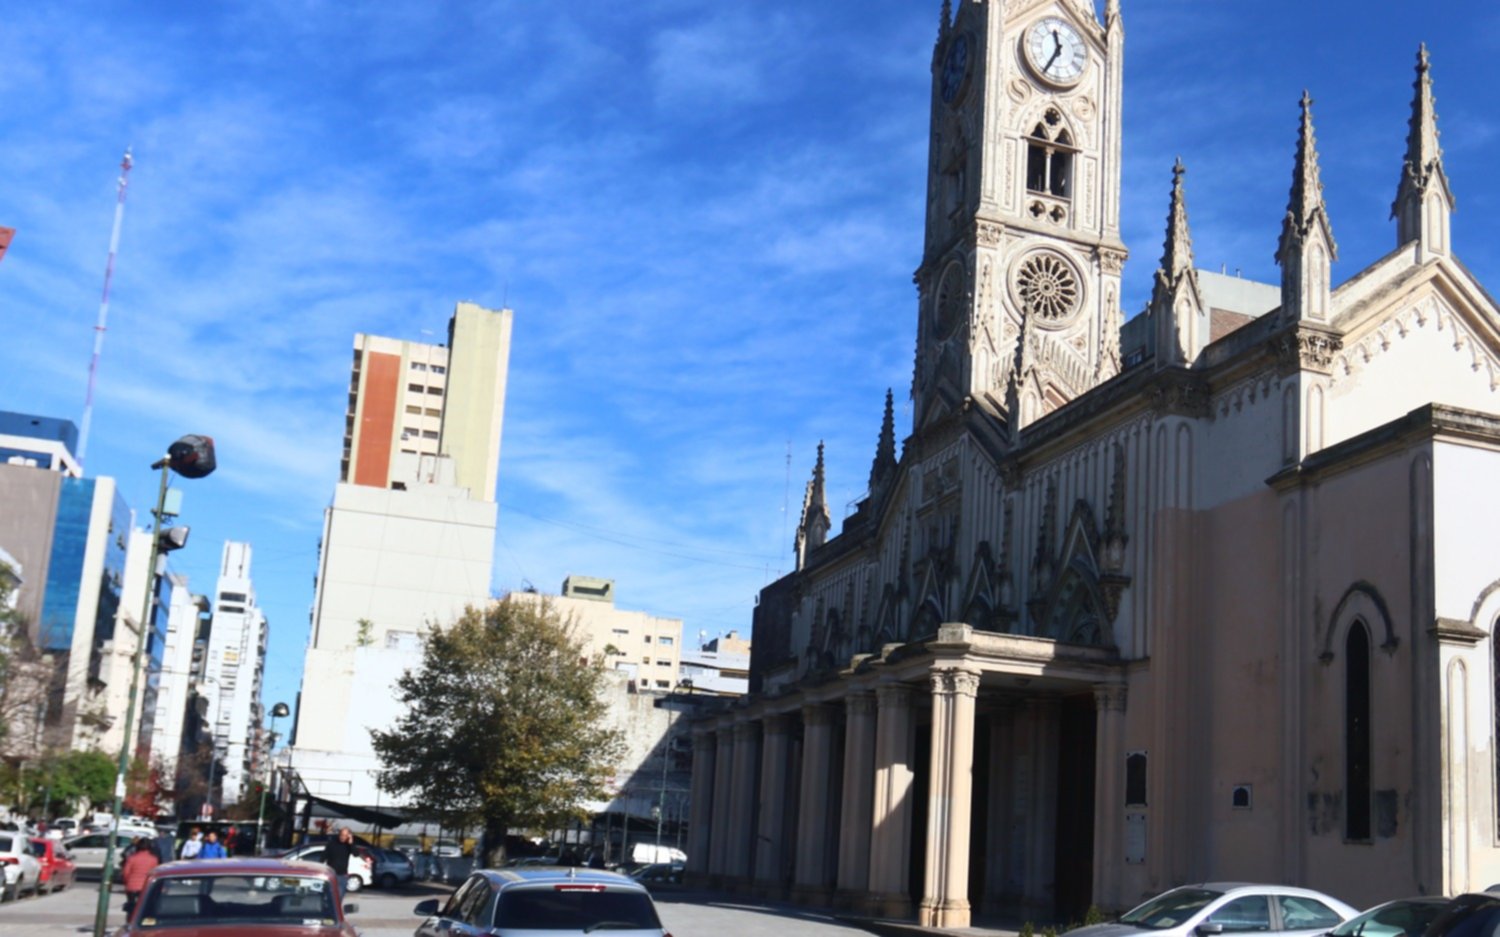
pixel 166 845
pixel 337 854
pixel 212 848
pixel 194 844
pixel 135 870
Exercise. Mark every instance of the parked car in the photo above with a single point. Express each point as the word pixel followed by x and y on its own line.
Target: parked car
pixel 1468 914
pixel 89 849
pixel 23 873
pixel 446 849
pixel 58 870
pixel 263 897
pixel 659 873
pixel 360 872
pixel 520 902
pixel 1220 908
pixel 1405 917
pixel 389 867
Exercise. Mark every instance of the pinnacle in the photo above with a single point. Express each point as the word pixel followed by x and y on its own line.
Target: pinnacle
pixel 1305 206
pixel 1178 253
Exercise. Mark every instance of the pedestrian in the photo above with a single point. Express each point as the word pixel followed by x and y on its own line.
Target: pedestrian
pixel 338 852
pixel 194 844
pixel 133 873
pixel 166 845
pixel 212 848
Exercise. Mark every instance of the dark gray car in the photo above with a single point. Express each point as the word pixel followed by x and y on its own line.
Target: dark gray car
pixel 524 902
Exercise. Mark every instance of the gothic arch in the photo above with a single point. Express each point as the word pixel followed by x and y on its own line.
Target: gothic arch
pixel 1361 602
pixel 1074 610
pixel 981 599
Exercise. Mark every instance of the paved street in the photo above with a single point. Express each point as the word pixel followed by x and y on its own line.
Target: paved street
pixel 388 914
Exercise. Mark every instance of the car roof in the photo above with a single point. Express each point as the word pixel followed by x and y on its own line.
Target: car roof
pixel 517 876
pixel 196 867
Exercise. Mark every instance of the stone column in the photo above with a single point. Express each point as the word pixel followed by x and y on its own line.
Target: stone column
pixel 741 847
pixel 858 798
pixel 700 807
pixel 817 769
pixel 890 828
pixel 769 848
pixel 718 843
pixel 1109 794
pixel 945 902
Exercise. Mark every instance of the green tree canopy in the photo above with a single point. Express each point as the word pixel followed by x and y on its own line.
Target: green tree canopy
pixel 503 726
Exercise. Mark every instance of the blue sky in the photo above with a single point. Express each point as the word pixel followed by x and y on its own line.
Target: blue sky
pixel 705 214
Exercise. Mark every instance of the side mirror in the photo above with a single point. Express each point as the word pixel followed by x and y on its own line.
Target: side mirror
pixel 427 908
pixel 1206 929
pixel 351 908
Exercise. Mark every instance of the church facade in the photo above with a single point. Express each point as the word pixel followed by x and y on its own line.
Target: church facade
pixel 1204 596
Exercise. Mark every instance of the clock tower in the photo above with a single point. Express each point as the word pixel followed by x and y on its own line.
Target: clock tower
pixel 1020 279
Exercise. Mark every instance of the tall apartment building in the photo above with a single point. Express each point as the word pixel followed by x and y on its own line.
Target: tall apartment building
pixel 188 615
pixel 117 670
pixel 408 541
pixel 235 669
pixel 71 535
pixel 645 647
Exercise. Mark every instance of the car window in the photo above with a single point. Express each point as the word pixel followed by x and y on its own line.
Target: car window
pixel 1398 918
pixel 456 900
pixel 7 844
pixel 239 899
pixel 88 842
pixel 1250 913
pixel 476 906
pixel 1300 913
pixel 564 909
pixel 312 855
pixel 1170 909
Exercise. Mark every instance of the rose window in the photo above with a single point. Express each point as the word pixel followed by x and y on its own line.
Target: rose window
pixel 1047 287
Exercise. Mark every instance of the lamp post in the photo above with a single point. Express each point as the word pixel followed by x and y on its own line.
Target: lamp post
pixel 277 711
pixel 190 457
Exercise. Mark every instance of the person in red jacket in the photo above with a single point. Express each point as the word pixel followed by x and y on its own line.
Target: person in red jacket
pixel 133 873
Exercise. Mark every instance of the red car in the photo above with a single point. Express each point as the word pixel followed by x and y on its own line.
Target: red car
pixel 241 898
pixel 58 870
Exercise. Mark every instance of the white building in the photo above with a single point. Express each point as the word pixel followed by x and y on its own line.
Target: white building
pixel 117 671
pixel 408 542
pixel 1207 597
pixel 180 669
pixel 235 668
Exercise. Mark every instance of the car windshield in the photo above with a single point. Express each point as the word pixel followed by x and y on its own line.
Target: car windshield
pixel 240 900
pixel 1394 919
pixel 565 908
pixel 1170 909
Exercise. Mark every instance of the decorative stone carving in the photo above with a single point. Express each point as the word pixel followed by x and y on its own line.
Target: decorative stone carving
pixel 988 234
pixel 1110 261
pixel 1306 349
pixel 955 682
pixel 1180 394
pixel 1110 697
pixel 1047 288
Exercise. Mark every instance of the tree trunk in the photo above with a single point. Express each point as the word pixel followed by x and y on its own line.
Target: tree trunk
pixel 495 830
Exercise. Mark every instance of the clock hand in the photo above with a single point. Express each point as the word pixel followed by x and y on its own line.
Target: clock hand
pixel 1055 53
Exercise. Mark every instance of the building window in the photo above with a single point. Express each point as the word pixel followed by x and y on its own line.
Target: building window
pixel 429 434
pixel 1135 779
pixel 418 366
pixel 439 369
pixel 646 661
pixel 620 630
pixel 415 388
pixel 434 390
pixel 1357 732
pixel 1049 157
pixel 664 640
pixel 663 685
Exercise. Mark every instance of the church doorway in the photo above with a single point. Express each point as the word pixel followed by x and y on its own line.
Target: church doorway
pixel 1074 872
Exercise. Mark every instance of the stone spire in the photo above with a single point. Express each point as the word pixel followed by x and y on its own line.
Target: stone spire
pixel 946 18
pixel 1424 200
pixel 812 532
pixel 1111 11
pixel 884 468
pixel 1176 302
pixel 1307 248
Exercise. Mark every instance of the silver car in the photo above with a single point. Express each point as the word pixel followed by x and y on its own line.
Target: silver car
pixel 1228 908
pixel 522 902
pixel 89 849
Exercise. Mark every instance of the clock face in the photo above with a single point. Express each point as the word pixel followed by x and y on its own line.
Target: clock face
pixel 1055 51
pixel 955 69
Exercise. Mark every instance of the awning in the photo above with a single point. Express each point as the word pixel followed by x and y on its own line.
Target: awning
pixel 353 812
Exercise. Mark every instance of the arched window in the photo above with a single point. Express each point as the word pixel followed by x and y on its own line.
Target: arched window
pixel 1357 733
pixel 1049 157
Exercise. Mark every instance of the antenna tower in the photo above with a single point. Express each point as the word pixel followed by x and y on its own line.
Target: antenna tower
pixel 101 326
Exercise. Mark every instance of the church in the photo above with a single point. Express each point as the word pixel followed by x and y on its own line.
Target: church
pixel 1201 596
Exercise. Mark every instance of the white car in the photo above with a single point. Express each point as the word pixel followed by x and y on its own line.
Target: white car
pixel 89 850
pixel 1225 908
pixel 360 873
pixel 23 872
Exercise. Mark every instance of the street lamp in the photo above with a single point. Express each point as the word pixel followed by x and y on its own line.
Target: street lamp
pixel 190 457
pixel 277 711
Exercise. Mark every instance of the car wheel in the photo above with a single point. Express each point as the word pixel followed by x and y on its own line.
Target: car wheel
pixel 387 881
pixel 355 884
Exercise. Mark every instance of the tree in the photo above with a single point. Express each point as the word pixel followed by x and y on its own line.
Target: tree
pixel 503 726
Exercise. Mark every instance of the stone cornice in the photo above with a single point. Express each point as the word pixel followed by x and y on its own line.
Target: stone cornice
pixel 1454 631
pixel 1427 422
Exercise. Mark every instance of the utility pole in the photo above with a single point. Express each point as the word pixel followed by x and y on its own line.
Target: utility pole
pixel 100 327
